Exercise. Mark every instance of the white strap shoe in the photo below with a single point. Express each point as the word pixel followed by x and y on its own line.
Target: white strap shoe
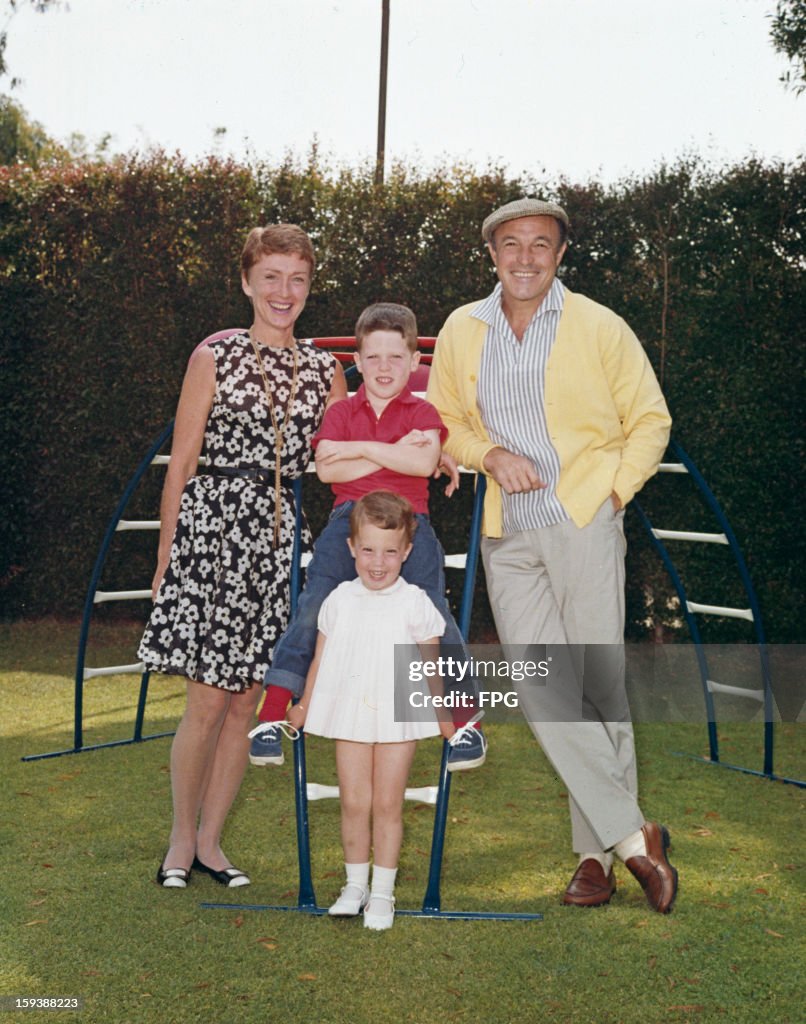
pixel 352 900
pixel 379 913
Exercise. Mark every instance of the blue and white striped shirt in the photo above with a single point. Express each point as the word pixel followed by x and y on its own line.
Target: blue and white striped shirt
pixel 510 396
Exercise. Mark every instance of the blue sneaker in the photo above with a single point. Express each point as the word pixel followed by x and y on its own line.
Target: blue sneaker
pixel 266 746
pixel 468 748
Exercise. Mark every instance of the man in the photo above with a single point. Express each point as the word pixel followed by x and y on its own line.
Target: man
pixel 552 397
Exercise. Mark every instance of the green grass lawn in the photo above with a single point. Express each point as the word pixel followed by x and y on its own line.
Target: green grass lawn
pixel 82 837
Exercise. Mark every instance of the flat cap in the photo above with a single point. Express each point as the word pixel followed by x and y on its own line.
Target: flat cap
pixel 525 207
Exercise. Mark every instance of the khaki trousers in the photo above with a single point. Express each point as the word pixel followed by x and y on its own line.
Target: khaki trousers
pixel 564 585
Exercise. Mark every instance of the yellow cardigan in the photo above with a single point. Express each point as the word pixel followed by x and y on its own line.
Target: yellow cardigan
pixel 605 412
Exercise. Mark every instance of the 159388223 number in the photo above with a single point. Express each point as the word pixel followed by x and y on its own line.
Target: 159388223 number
pixel 41 1003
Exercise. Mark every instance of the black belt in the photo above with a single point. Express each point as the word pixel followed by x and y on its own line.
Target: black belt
pixel 256 473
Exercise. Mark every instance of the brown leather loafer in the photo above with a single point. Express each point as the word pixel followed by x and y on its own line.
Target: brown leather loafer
pixel 590 887
pixel 655 874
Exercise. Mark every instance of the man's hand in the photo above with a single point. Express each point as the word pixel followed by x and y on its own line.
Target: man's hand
pixel 514 473
pixel 449 466
pixel 617 506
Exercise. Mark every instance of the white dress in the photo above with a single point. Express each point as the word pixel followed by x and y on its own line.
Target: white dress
pixel 354 696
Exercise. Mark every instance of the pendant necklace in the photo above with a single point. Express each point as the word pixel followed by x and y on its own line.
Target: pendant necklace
pixel 279 435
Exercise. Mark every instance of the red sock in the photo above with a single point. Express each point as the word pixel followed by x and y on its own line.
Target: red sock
pixel 275 704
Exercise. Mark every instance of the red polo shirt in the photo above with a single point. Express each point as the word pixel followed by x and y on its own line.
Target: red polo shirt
pixel 354 419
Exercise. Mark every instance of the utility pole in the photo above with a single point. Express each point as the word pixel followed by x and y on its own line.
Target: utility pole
pixel 380 155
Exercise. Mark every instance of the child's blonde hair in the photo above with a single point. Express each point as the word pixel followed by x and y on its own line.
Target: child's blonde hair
pixel 387 316
pixel 386 510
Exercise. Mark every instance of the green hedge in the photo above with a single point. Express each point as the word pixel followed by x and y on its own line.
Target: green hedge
pixel 111 273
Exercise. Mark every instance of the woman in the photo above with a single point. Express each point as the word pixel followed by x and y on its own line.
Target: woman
pixel 254 400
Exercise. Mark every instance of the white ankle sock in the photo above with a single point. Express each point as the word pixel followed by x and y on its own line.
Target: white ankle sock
pixel 357 874
pixel 631 846
pixel 383 881
pixel 383 884
pixel 605 859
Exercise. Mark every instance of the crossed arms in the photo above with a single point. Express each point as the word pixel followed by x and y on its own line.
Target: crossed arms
pixel 415 454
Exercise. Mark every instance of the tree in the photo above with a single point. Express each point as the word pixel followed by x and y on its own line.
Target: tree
pixel 788 35
pixel 25 141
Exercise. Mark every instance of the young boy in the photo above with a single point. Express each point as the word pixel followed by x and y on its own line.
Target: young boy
pixel 381 438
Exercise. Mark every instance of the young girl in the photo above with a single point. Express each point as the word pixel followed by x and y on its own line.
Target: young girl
pixel 349 697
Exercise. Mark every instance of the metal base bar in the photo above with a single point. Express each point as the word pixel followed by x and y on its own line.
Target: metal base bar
pixel 801 783
pixel 313 911
pixel 450 915
pixel 96 746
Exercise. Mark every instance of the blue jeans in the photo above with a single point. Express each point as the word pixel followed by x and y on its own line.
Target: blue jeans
pixel 333 564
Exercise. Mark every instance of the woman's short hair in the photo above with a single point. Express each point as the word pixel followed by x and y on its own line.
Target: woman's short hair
pixel 386 510
pixel 387 316
pixel 282 238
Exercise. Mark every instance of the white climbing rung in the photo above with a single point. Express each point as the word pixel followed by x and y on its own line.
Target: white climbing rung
pixel 120 595
pixel 423 795
pixel 163 460
pixel 672 467
pixel 734 691
pixel 714 609
pixel 705 538
pixel 114 670
pixel 138 524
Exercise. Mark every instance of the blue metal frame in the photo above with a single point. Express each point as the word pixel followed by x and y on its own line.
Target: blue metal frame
pixel 464 621
pixel 89 603
pixel 761 643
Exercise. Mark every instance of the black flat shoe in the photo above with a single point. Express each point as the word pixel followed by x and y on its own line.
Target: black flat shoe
pixel 173 878
pixel 232 878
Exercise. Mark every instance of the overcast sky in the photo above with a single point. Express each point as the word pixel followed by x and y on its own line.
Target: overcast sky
pixel 584 88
